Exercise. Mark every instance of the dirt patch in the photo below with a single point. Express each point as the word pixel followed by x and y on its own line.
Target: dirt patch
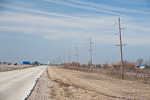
pixel 75 85
pixel 63 92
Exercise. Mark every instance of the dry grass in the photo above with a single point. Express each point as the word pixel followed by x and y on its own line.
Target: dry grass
pixel 142 76
pixel 6 67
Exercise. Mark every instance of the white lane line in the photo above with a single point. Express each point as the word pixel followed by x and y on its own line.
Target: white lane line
pixel 32 86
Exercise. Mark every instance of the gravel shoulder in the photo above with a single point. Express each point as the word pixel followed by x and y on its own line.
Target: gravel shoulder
pixel 42 90
pixel 76 85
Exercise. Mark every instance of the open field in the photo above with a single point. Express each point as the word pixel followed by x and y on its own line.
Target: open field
pixel 5 67
pixel 76 85
pixel 141 76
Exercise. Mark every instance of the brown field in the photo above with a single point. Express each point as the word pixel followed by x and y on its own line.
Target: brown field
pixel 76 85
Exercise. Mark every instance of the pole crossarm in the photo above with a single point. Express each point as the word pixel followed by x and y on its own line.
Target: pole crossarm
pixel 120 45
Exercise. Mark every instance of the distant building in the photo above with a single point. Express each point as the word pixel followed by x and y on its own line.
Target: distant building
pixel 142 66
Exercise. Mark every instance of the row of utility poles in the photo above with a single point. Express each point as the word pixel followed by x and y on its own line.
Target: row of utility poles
pixel 122 70
pixel 77 56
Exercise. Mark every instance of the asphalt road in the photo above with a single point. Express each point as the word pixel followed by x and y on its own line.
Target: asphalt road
pixel 17 85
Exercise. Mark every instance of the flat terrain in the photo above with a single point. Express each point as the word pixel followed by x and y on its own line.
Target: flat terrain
pixel 16 85
pixel 6 67
pixel 76 85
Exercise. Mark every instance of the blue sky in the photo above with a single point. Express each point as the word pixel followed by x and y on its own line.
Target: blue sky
pixel 45 30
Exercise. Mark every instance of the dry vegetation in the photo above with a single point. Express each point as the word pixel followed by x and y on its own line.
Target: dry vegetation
pixel 76 85
pixel 131 70
pixel 6 67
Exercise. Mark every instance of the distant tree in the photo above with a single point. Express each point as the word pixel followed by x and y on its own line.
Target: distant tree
pixel 89 64
pixel 98 65
pixel 147 62
pixel 115 66
pixel 147 67
pixel 125 62
pixel 130 66
pixel 73 64
pixel 139 62
pixel 106 65
pixel 84 65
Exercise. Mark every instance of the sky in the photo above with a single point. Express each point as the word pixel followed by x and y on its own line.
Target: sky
pixel 46 30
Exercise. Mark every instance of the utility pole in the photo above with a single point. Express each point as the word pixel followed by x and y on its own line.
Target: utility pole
pixel 69 58
pixel 64 60
pixel 90 55
pixel 77 57
pixel 122 71
pixel 59 60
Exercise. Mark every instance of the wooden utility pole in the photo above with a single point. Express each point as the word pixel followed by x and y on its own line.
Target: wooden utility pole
pixel 59 60
pixel 64 60
pixel 122 72
pixel 69 58
pixel 90 55
pixel 77 57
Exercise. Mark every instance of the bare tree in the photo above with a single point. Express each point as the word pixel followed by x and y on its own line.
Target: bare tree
pixel 106 65
pixel 139 62
pixel 115 65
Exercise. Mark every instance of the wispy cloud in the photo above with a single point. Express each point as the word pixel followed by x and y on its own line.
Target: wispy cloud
pixel 137 41
pixel 97 7
pixel 133 2
pixel 51 22
pixel 59 28
pixel 84 7
pixel 110 8
pixel 37 11
pixel 51 27
pixel 18 29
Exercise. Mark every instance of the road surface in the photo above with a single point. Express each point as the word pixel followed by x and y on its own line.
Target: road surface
pixel 16 85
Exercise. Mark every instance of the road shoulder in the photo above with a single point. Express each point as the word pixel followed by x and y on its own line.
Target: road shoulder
pixel 42 90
